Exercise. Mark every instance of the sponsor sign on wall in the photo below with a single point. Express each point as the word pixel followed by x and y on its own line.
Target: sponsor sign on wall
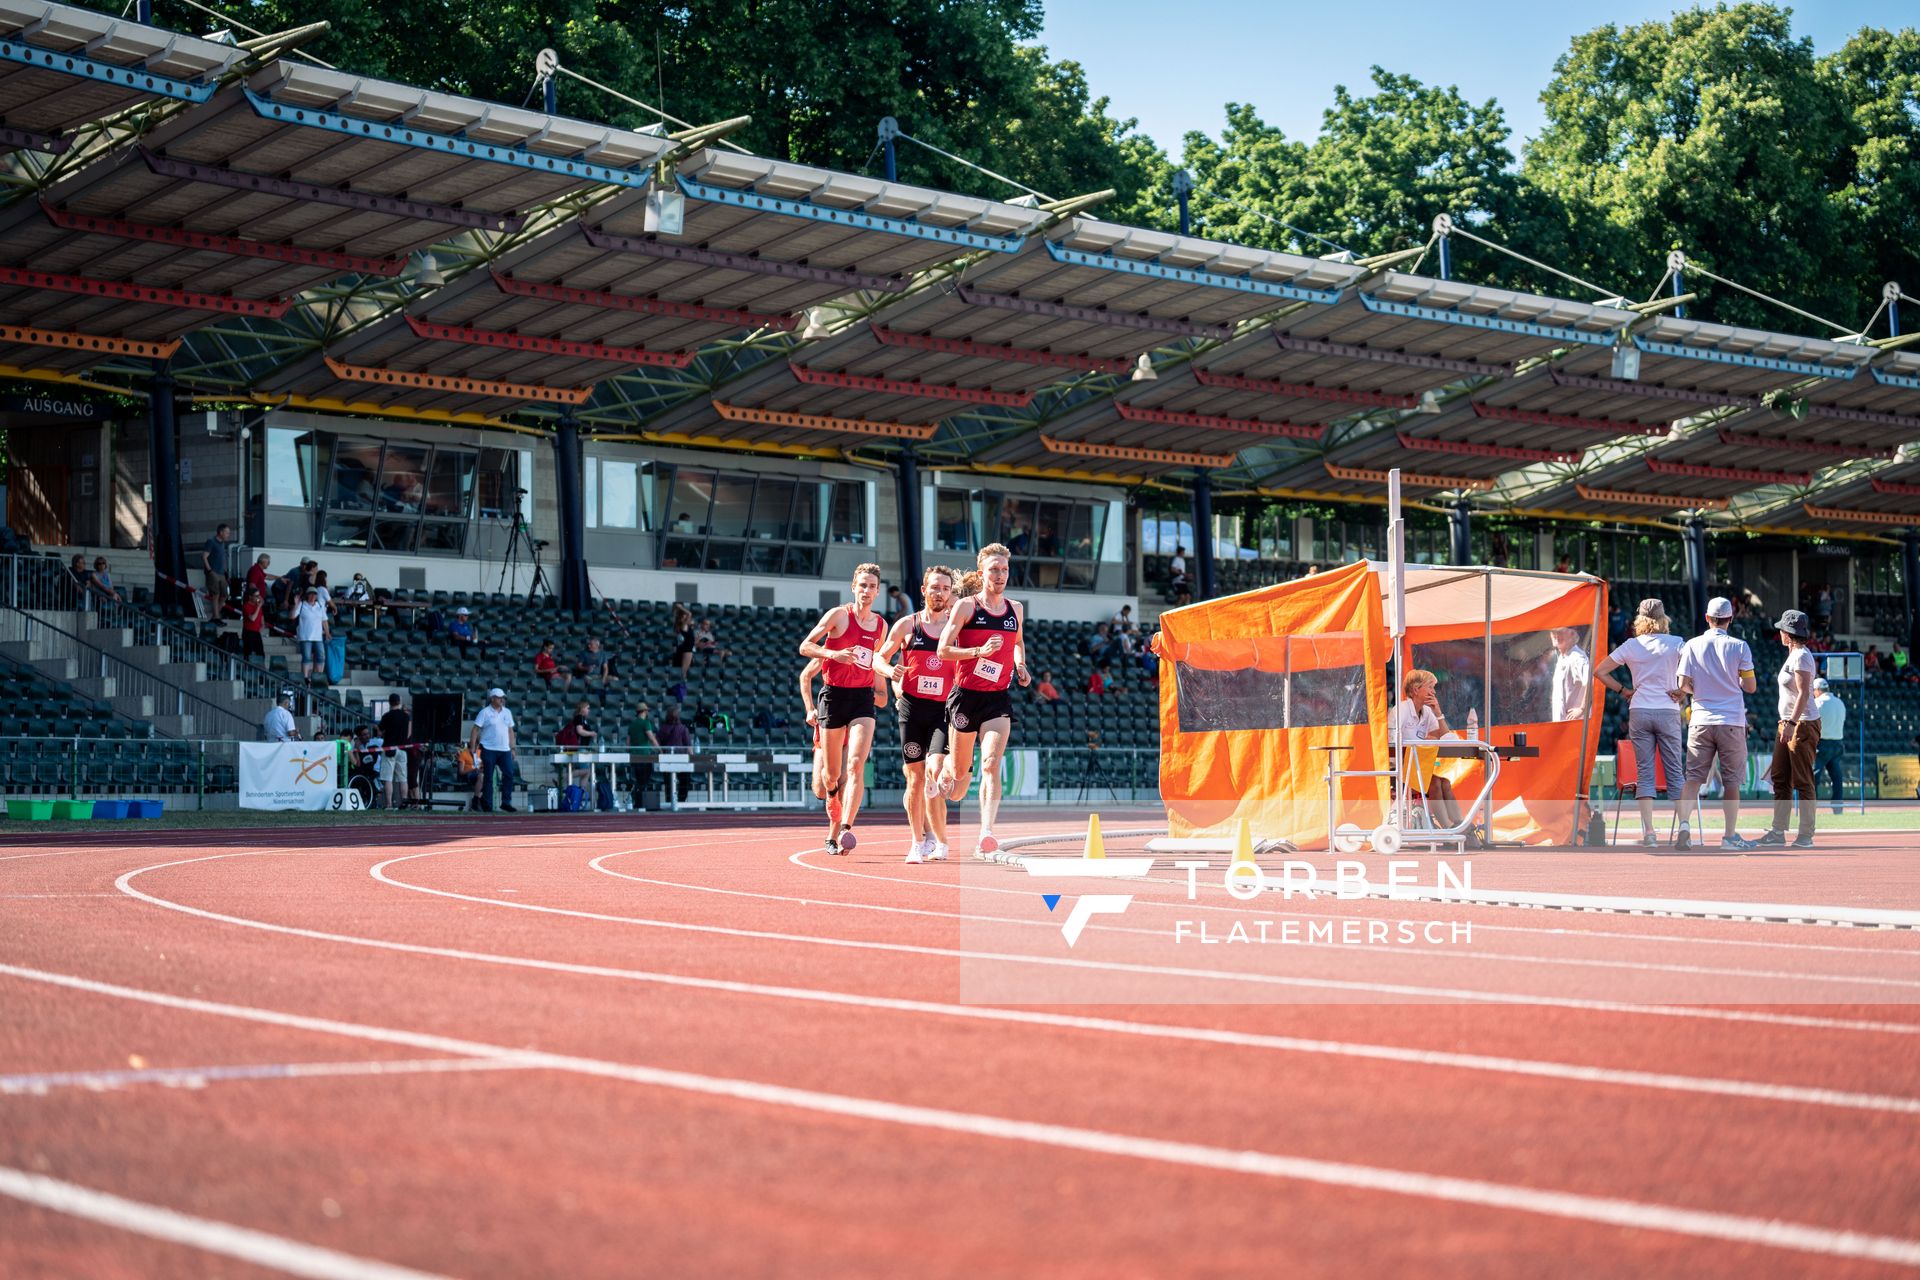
pixel 288 775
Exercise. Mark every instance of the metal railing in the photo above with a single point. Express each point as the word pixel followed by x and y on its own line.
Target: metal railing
pixel 42 584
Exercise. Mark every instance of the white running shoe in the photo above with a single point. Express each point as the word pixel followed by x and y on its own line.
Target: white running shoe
pixel 925 844
pixel 913 853
pixel 938 853
pixel 987 846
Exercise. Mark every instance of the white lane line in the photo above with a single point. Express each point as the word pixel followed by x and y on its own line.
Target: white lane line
pixel 1604 1210
pixel 244 1243
pixel 378 872
pixel 1712 1086
pixel 199 1077
pixel 1449 953
pixel 920 882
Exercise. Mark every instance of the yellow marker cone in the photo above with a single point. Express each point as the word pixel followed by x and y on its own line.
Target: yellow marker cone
pixel 1243 842
pixel 1096 847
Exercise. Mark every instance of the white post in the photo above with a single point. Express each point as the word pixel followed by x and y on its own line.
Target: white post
pixel 1397 629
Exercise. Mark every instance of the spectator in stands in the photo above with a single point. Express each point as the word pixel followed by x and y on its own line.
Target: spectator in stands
pixel 1096 683
pixel 898 605
pixel 673 735
pixel 463 634
pixel 707 644
pixel 641 741
pixel 1099 646
pixel 1150 664
pixel 578 731
pixel 213 559
pixel 103 580
pixel 257 573
pixel 546 667
pixel 682 523
pixel 78 586
pixel 326 592
pixel 1823 611
pixel 1898 656
pixel 1178 583
pixel 358 591
pixel 1563 565
pixel 312 630
pixel 1870 661
pixel 253 622
pixel 1653 721
pixel 596 667
pixel 278 726
pixel 1123 622
pixel 396 732
pixel 1828 759
pixel 493 738
pixel 1048 694
pixel 682 655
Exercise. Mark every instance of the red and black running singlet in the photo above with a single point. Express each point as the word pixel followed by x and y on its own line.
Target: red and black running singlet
pixel 989 674
pixel 925 674
pixel 859 672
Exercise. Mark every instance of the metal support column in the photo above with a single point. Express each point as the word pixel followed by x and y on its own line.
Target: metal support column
pixel 143 12
pixel 1460 527
pixel 1203 534
pixel 907 491
pixel 575 594
pixel 1182 191
pixel 1677 267
pixel 889 130
pixel 1443 243
pixel 1891 292
pixel 1910 574
pixel 1695 538
pixel 551 97
pixel 163 454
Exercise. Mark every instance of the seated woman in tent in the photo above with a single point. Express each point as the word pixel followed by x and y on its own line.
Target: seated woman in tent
pixel 1418 719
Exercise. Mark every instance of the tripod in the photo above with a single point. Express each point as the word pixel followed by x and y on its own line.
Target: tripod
pixel 520 540
pixel 1095 776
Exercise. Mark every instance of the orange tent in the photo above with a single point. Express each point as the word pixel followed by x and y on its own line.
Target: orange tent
pixel 1260 690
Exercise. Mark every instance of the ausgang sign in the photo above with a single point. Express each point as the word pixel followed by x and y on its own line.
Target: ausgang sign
pixel 56 404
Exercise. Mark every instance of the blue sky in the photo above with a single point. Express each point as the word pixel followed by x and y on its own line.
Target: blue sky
pixel 1175 66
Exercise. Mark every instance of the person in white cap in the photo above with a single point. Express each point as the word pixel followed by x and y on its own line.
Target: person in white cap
pixel 1653 722
pixel 1716 670
pixel 493 740
pixel 463 634
pixel 1833 727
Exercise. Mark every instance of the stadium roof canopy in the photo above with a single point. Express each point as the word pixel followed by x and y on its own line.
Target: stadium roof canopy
pixel 302 236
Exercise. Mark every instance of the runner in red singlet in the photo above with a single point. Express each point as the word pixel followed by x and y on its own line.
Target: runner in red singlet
pixel 921 679
pixel 844 640
pixel 984 632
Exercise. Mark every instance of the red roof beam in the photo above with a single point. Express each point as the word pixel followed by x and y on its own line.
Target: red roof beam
pixel 1739 440
pixel 606 301
pixel 1737 475
pixel 1666 501
pixel 506 341
pixel 993 351
pixel 234 246
pixel 1897 488
pixel 125 291
pixel 1607 425
pixel 907 387
pixel 1472 450
pixel 1304 390
pixel 1214 422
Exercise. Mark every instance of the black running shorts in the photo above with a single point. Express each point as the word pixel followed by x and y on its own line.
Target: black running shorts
pixel 970 710
pixel 923 727
pixel 843 704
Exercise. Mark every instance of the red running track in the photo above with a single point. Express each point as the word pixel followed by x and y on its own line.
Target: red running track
pixel 608 1049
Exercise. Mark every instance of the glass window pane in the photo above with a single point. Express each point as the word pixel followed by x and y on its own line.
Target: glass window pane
pixel 1049 520
pixel 771 503
pixel 394 535
pixel 849 511
pixel 1015 525
pixel 356 468
pixel 403 478
pixel 953 520
pixel 692 498
pixel 619 494
pixel 1077 574
pixel 764 556
pixel 450 484
pixel 590 482
pixel 723 555
pixel 804 561
pixel 680 553
pixel 443 537
pixel 499 476
pixel 344 531
pixel 809 522
pixel 290 467
pixel 732 500
pixel 1080 543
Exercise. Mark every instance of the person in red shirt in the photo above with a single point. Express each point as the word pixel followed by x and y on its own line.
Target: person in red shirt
pixel 1096 683
pixel 547 667
pixel 984 634
pixel 257 574
pixel 845 641
pixel 921 679
pixel 253 622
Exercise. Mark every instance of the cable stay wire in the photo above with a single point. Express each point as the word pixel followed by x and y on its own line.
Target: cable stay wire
pixel 1459 230
pixel 563 69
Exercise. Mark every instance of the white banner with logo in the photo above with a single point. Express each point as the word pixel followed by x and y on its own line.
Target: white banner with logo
pixel 288 775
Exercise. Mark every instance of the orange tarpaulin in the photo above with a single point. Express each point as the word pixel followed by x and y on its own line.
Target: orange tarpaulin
pixel 1259 690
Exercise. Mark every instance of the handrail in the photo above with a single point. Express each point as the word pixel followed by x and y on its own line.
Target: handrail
pixel 41 583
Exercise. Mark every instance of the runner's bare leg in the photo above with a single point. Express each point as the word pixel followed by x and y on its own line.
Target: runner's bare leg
pixel 859 743
pixel 993 746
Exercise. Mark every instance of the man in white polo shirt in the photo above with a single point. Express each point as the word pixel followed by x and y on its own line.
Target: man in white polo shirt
pixel 493 740
pixel 1716 668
